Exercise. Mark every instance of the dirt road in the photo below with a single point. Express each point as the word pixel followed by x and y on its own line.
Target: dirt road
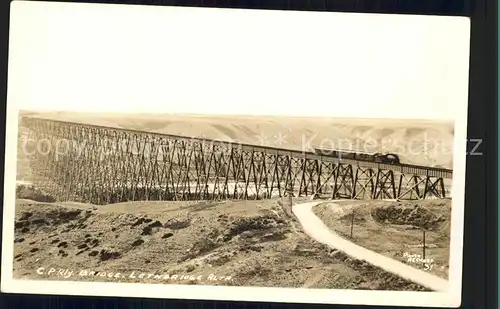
pixel 316 229
pixel 251 242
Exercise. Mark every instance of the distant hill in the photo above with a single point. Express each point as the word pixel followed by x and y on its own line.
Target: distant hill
pixel 422 142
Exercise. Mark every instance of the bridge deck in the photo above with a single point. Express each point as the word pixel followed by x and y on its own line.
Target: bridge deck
pixel 399 168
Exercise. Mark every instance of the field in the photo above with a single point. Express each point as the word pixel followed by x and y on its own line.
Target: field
pixel 230 242
pixel 395 229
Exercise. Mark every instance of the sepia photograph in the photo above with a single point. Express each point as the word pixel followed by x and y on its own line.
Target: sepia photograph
pixel 301 156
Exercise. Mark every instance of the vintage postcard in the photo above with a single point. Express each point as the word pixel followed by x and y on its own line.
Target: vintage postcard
pixel 248 155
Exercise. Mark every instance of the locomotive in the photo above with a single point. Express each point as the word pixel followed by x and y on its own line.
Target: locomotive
pixel 388 158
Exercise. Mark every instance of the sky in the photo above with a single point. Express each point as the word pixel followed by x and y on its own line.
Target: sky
pixel 98 57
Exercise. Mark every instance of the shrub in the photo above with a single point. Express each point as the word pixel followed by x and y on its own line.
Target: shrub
pixel 31 193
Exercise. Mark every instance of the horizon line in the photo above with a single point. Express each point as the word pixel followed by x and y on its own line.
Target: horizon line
pixel 236 115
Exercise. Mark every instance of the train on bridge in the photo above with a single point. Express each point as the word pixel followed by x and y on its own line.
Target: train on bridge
pixel 387 158
pixel 153 166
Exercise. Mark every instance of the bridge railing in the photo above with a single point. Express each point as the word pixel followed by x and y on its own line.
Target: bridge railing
pixel 109 164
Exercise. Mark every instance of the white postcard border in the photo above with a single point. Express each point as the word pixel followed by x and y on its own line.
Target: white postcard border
pixel 450 298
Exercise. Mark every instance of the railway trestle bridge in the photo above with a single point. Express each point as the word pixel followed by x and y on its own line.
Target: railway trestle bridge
pixel 102 165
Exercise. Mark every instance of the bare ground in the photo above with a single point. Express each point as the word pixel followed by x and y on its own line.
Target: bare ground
pixel 395 229
pixel 251 243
